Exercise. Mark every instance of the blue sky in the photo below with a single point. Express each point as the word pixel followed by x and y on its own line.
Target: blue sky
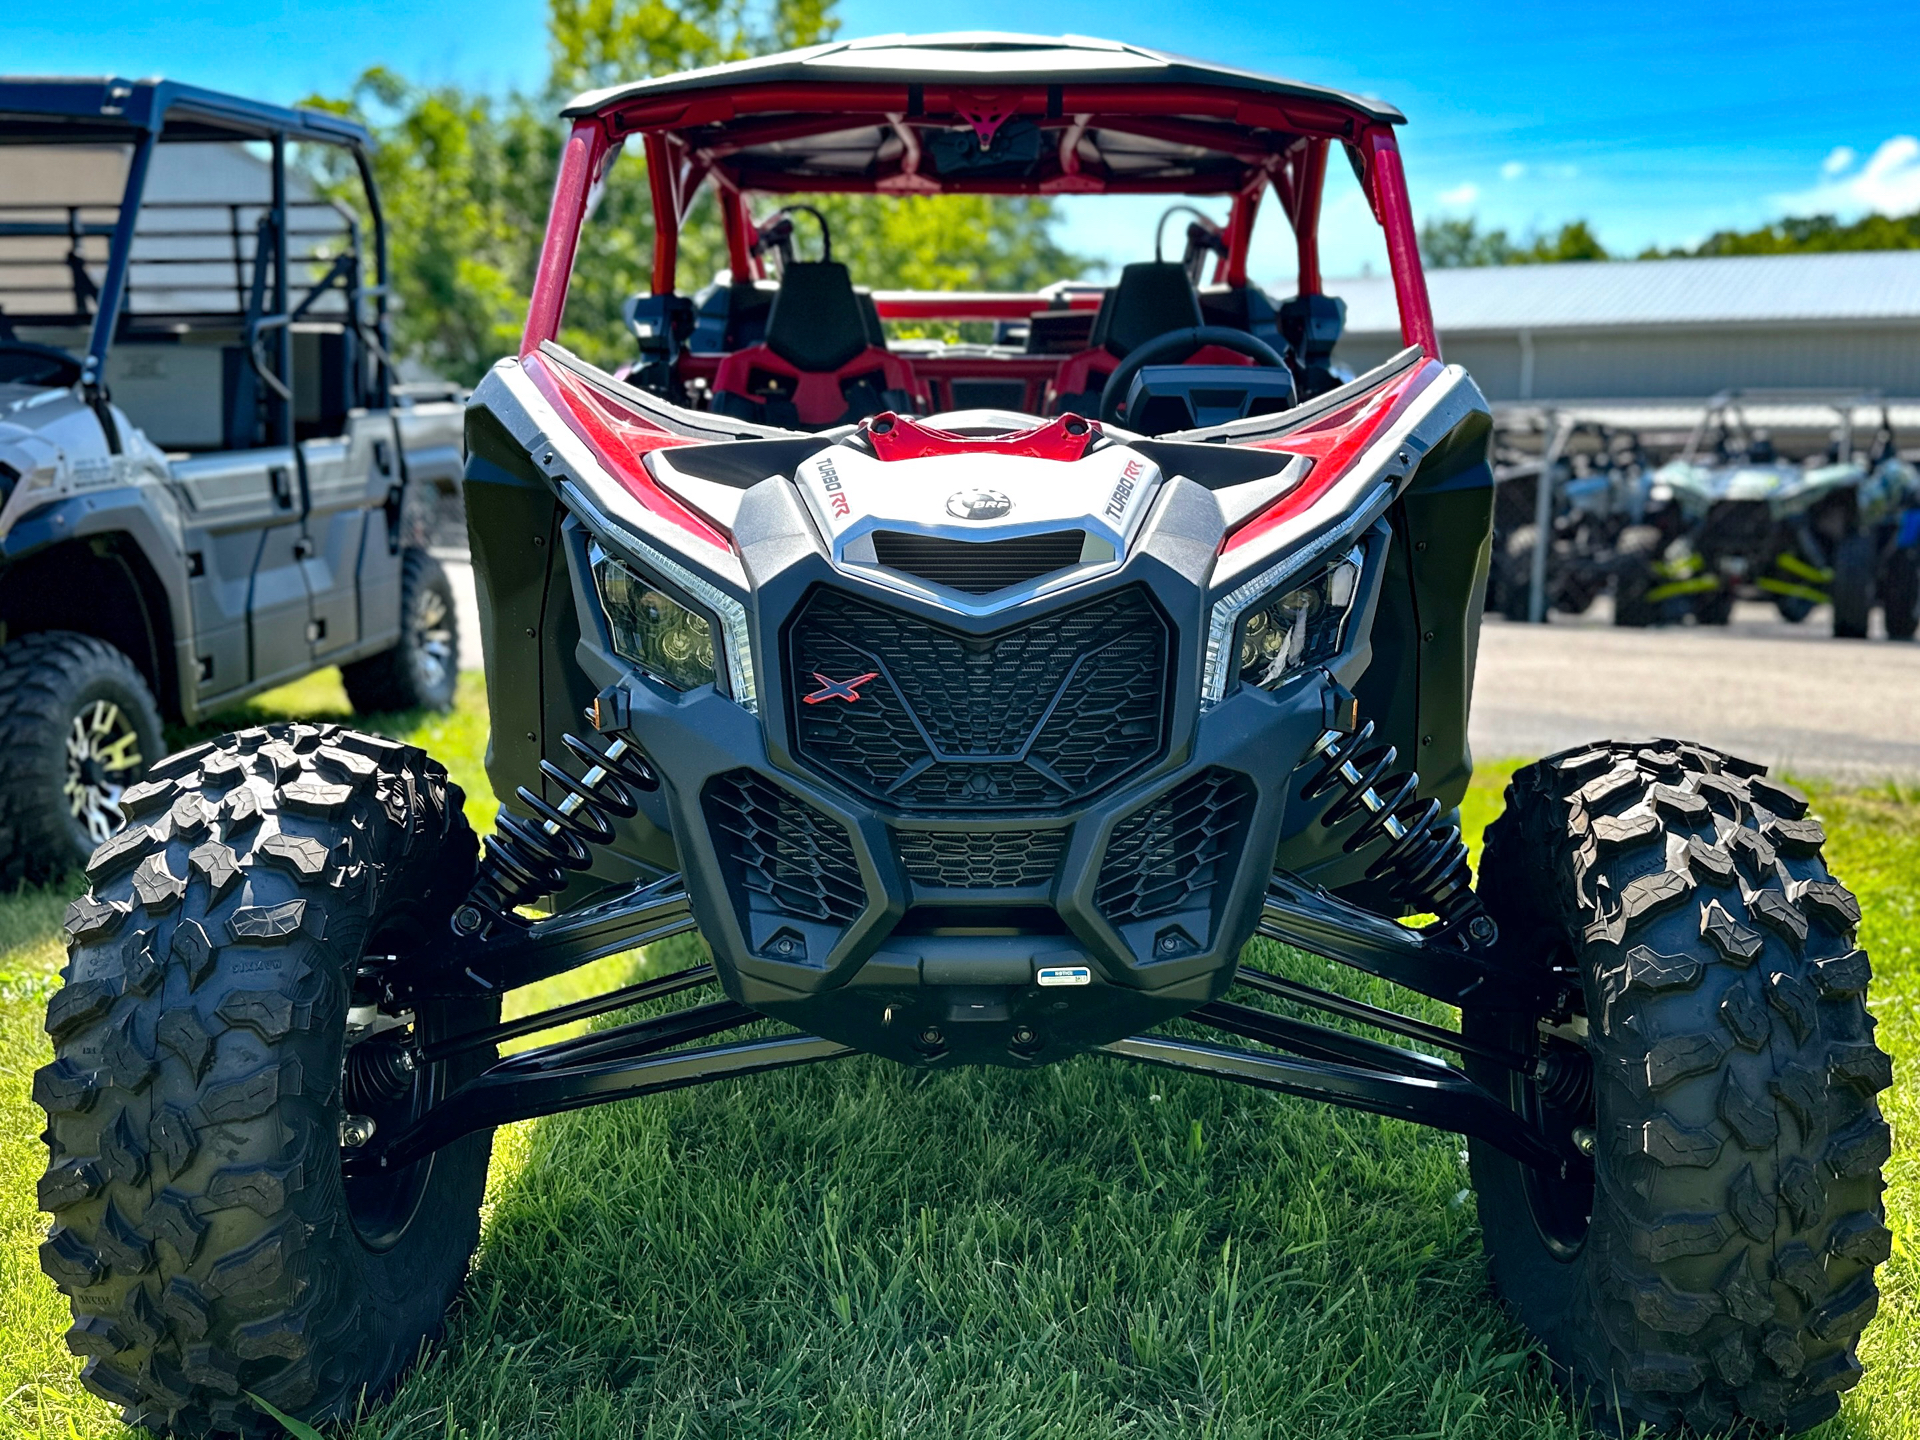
pixel 1657 122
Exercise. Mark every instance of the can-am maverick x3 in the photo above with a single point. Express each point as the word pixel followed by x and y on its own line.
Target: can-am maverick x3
pixel 977 737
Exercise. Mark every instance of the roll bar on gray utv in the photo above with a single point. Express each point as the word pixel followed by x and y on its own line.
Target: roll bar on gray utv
pixel 135 113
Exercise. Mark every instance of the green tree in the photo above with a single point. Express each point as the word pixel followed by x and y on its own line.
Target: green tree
pixel 466 180
pixel 459 176
pixel 1808 234
pixel 1448 244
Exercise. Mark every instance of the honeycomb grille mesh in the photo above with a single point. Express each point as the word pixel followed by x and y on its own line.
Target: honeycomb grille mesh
pixel 1001 860
pixel 1034 716
pixel 1169 855
pixel 780 854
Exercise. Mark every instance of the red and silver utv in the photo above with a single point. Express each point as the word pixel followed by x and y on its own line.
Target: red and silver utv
pixel 977 702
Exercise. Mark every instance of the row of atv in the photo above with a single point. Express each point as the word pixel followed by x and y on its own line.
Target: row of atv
pixel 1729 517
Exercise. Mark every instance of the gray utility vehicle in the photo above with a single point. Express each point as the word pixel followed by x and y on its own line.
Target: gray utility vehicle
pixel 208 485
pixel 1591 508
pixel 1742 517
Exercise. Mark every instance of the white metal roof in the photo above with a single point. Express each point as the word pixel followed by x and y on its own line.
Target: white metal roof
pixel 1877 285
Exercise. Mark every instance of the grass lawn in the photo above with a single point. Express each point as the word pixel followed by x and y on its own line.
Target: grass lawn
pixel 859 1250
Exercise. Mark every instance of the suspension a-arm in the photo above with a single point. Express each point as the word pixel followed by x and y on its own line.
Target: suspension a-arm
pixel 617 1064
pixel 1440 1096
pixel 511 953
pixel 1442 962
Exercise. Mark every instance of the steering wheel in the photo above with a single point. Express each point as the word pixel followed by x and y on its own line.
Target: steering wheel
pixel 22 363
pixel 1181 344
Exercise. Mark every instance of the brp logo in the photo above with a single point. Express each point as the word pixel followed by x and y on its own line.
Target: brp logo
pixel 978 505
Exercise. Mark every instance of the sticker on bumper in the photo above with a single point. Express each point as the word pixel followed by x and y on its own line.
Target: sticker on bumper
pixel 1064 975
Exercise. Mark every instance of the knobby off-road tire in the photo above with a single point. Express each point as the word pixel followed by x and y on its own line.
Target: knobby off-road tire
pixel 1638 549
pixel 1516 569
pixel 1736 1219
pixel 202 1228
pixel 1855 559
pixel 420 672
pixel 62 693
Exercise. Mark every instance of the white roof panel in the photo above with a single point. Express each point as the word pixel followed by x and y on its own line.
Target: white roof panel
pixel 1874 285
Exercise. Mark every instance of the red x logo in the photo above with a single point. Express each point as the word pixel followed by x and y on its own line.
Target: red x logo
pixel 848 690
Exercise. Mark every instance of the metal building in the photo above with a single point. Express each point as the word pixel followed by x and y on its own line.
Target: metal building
pixel 1662 329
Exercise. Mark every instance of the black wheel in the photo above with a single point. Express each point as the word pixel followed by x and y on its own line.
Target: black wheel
pixel 217 1043
pixel 1793 608
pixel 78 726
pixel 1900 593
pixel 421 671
pixel 1855 559
pixel 1516 573
pixel 1636 555
pixel 1715 608
pixel 1716 1267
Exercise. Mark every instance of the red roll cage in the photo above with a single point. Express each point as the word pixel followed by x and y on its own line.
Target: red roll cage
pixel 1186 130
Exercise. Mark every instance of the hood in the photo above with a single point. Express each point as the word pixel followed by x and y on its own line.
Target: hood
pixel 980 518
pixel 52 447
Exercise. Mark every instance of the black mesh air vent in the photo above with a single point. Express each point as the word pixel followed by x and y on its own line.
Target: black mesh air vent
pixel 978 567
pixel 989 860
pixel 1031 717
pixel 780 854
pixel 1169 855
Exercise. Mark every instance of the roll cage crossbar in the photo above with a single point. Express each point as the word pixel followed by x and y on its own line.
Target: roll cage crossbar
pixel 1314 1061
pixel 1205 139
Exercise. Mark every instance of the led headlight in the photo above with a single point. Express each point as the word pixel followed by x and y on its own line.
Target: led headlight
pixel 1301 627
pixel 652 629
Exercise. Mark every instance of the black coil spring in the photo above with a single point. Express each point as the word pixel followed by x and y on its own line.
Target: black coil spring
pixel 1425 863
pixel 526 858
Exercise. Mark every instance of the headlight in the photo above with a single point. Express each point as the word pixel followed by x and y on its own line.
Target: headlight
pixel 652 629
pixel 1302 627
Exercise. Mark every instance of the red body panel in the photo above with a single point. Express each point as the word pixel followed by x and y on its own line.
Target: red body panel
pixel 1333 443
pixel 900 437
pixel 620 439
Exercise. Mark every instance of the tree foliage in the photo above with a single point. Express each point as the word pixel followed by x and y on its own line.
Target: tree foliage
pixel 1809 234
pixel 1448 244
pixel 466 180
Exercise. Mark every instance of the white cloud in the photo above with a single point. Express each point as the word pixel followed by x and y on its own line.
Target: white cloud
pixel 1841 157
pixel 1888 183
pixel 1460 195
pixel 1512 170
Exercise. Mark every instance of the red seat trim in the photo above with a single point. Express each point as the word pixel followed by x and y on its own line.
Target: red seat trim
pixel 816 393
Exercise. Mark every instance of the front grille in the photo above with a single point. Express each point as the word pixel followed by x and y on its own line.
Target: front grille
pixel 978 567
pixel 1744 527
pixel 1169 855
pixel 782 856
pixel 1033 716
pixel 992 860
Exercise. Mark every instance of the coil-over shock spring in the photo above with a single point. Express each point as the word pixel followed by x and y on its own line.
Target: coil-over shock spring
pixel 1425 863
pixel 527 858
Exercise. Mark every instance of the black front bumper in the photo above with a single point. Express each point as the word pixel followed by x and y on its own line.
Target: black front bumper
pixel 902 924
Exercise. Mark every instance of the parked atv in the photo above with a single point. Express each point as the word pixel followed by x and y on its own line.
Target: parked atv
pixel 1746 522
pixel 1598 479
pixel 974 738
pixel 207 486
